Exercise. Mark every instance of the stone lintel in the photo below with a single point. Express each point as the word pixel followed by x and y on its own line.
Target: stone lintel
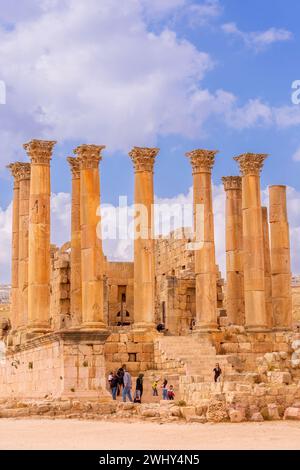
pixel 40 151
pixel 89 155
pixel 251 163
pixel 74 166
pixel 143 158
pixel 202 160
pixel 232 182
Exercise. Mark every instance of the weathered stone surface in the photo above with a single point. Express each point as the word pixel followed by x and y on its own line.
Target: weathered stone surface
pixel 292 413
pixel 217 412
pixel 257 417
pixel 236 415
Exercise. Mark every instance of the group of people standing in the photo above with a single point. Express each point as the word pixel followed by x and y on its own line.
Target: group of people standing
pixel 167 391
pixel 121 382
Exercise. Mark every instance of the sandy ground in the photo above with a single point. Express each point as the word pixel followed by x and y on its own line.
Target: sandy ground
pixel 103 435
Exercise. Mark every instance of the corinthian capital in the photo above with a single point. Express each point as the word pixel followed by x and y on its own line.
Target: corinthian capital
pixel 143 158
pixel 251 163
pixel 232 182
pixel 89 156
pixel 202 160
pixel 40 151
pixel 74 166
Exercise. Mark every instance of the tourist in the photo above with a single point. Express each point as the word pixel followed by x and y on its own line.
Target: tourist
pixel 110 376
pixel 171 393
pixel 164 390
pixel 160 327
pixel 114 385
pixel 120 375
pixel 127 385
pixel 154 388
pixel 139 389
pixel 217 371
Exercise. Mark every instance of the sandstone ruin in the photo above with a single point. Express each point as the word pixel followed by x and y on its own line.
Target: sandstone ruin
pixel 74 315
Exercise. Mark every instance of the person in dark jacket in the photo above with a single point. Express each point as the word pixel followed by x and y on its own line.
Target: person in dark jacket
pixel 114 382
pixel 120 375
pixel 139 389
pixel 217 371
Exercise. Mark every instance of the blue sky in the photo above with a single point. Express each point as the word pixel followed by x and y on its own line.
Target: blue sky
pixel 177 74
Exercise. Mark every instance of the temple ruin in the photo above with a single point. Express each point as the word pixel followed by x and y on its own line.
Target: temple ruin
pixel 74 315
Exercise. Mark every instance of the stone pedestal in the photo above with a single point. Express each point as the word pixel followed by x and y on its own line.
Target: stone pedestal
pixel 40 153
pixel 267 264
pixel 253 244
pixel 60 365
pixel 92 259
pixel 14 308
pixel 202 162
pixel 235 301
pixel 280 258
pixel 144 277
pixel 24 178
pixel 76 292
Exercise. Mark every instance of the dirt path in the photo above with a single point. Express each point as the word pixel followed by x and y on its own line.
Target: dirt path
pixel 104 435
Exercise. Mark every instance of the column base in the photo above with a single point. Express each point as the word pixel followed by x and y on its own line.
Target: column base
pixel 143 326
pixel 203 327
pixel 257 328
pixel 91 326
pixel 37 329
pixel 281 328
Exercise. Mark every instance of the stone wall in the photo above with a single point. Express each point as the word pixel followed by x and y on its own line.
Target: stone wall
pixel 175 301
pixel 134 349
pixel 296 298
pixel 55 366
pixel 119 280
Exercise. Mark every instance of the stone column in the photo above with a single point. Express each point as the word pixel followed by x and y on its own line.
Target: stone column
pixel 40 152
pixel 144 277
pixel 24 177
pixel 202 162
pixel 267 264
pixel 235 301
pixel 253 245
pixel 92 259
pixel 280 258
pixel 14 308
pixel 76 294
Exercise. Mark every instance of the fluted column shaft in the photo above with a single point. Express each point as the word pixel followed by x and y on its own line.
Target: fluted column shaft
pixel 14 308
pixel 202 162
pixel 253 244
pixel 235 300
pixel 280 258
pixel 40 153
pixel 76 290
pixel 92 259
pixel 25 171
pixel 267 264
pixel 144 277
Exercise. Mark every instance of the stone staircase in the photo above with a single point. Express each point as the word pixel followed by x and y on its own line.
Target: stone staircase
pixel 187 362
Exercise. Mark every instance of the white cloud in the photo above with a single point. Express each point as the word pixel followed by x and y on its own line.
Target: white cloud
pixel 192 13
pixel 258 40
pixel 296 156
pixel 92 70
